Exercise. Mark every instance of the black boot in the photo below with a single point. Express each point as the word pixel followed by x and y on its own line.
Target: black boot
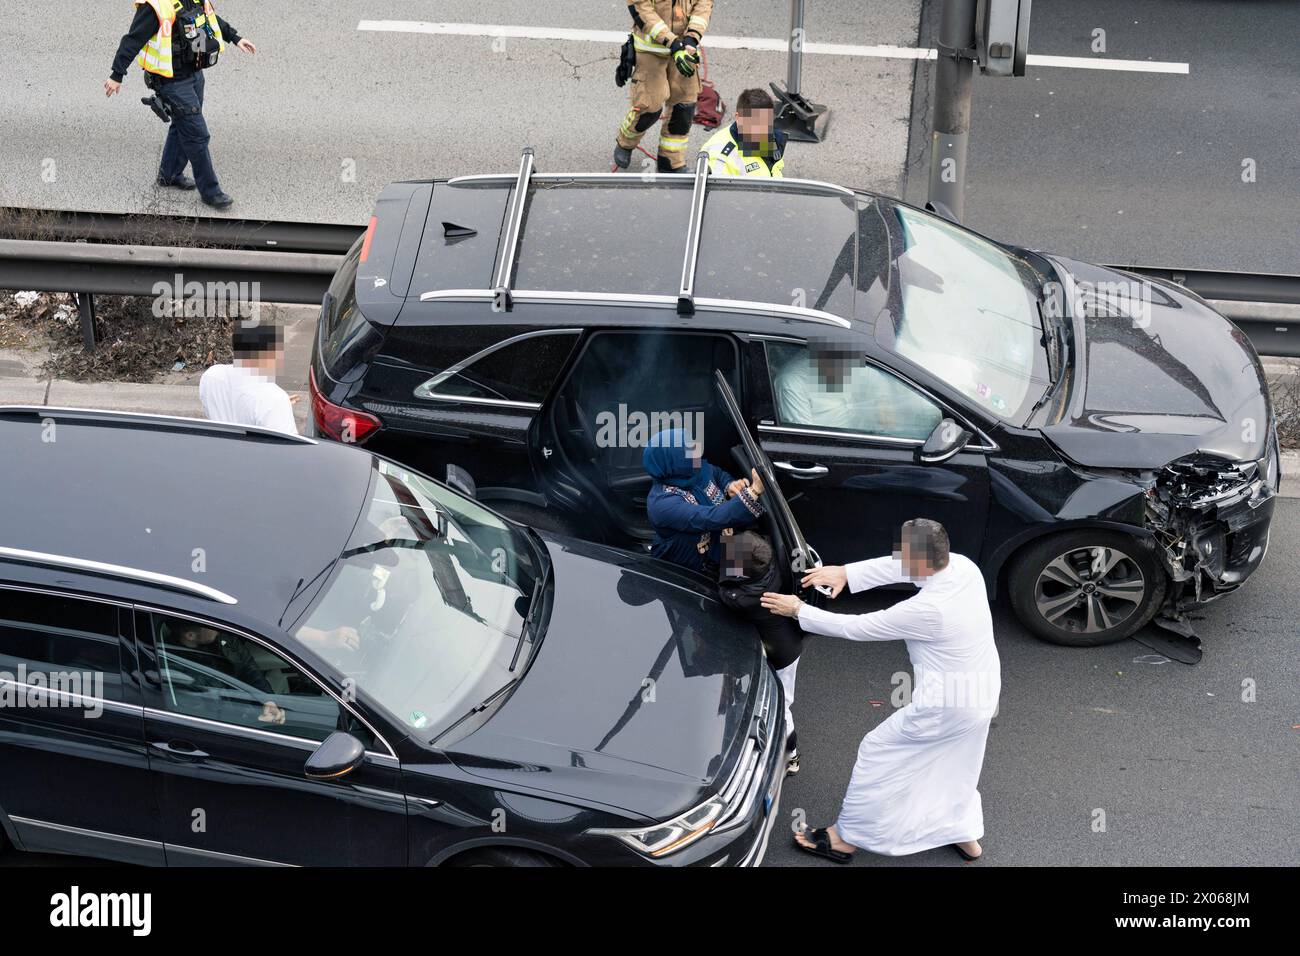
pixel 219 201
pixel 180 182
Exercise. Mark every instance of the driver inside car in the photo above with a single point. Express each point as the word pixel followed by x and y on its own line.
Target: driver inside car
pixel 234 658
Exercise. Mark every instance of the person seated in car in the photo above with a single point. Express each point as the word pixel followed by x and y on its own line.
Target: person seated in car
pixel 693 503
pixel 233 658
pixel 830 386
pixel 748 570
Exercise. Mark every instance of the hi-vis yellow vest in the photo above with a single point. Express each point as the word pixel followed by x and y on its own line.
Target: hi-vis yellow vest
pixel 726 158
pixel 156 57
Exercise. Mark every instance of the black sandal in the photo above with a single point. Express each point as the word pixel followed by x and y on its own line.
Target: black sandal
pixel 964 855
pixel 822 846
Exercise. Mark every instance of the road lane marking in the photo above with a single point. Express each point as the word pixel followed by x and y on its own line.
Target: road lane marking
pixel 748 43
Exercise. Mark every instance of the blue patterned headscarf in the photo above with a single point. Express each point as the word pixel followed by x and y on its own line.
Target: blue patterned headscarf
pixel 667 459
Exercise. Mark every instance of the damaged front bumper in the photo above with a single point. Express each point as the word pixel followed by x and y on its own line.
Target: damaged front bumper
pixel 1211 518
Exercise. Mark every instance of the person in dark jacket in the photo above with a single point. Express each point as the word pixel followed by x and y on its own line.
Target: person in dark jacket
pixel 693 503
pixel 748 570
pixel 175 76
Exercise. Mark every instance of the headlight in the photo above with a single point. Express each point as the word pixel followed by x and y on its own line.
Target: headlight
pixel 664 838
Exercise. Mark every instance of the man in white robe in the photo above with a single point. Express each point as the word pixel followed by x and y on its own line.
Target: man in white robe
pixel 914 786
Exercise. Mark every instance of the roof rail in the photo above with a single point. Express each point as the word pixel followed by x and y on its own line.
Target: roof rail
pixel 506 267
pixel 785 182
pixel 116 571
pixel 150 418
pixel 686 294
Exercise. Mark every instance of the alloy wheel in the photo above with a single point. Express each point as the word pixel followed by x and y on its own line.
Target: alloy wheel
pixel 1088 590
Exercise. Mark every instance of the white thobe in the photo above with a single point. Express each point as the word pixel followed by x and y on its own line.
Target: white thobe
pixel 914 786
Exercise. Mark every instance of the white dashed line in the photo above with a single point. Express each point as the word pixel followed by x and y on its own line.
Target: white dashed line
pixel 748 43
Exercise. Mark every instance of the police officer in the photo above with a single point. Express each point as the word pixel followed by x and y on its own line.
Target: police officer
pixel 752 145
pixel 666 36
pixel 176 40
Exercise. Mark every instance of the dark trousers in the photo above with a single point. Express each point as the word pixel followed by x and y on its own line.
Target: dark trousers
pixel 187 139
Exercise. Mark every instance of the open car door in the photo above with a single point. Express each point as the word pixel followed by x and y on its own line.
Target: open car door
pixel 787 540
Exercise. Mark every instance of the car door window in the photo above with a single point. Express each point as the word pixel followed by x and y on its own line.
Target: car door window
pixel 519 370
pixel 48 640
pixel 217 675
pixel 831 389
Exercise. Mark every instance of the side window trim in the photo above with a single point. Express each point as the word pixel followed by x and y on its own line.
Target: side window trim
pixel 428 390
pixel 240 632
pixel 986 445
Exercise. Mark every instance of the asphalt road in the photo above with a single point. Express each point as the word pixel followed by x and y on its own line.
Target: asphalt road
pixel 326 115
pixel 1141 168
pixel 1185 771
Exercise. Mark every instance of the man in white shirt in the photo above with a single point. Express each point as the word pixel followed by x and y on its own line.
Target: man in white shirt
pixel 914 786
pixel 245 393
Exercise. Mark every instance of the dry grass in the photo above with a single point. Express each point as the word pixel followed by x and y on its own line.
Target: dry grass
pixel 1285 388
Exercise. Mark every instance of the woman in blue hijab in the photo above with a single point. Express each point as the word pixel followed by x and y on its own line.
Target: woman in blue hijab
pixel 693 501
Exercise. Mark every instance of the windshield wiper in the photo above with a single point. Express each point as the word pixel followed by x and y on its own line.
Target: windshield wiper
pixel 530 622
pixel 487 702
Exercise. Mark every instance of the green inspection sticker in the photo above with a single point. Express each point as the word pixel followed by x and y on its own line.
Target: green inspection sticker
pixel 418 720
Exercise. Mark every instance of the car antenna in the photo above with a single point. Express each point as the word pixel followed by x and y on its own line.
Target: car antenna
pixel 453 231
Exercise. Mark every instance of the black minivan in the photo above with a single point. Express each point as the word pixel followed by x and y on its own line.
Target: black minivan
pixel 1102 445
pixel 210 634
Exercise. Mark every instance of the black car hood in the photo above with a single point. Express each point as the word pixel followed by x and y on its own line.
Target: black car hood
pixel 638 694
pixel 1179 380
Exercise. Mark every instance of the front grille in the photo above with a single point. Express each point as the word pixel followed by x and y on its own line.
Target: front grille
pixel 741 790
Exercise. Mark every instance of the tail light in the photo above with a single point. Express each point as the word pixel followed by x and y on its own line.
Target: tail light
pixel 341 424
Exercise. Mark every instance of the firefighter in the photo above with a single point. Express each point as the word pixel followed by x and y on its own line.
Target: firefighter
pixel 666 36
pixel 176 41
pixel 752 145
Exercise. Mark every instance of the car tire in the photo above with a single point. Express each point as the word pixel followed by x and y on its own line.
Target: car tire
pixel 1059 595
pixel 503 856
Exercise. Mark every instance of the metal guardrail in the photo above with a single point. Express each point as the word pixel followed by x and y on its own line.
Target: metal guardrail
pixel 1265 306
pixel 55 225
pixel 103 269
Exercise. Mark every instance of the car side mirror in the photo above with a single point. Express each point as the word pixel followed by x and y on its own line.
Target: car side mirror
pixel 946 440
pixel 337 756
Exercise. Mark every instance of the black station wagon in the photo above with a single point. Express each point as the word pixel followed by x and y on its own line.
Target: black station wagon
pixel 1103 446
pixel 222 645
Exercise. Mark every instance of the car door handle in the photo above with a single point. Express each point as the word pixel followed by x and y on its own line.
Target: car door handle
pixel 802 471
pixel 179 748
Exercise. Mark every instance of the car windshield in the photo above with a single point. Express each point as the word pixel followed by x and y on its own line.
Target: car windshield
pixel 426 608
pixel 969 316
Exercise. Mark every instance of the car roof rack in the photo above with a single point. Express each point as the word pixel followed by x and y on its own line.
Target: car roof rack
pixel 148 418
pixel 686 292
pixel 118 571
pixel 501 293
